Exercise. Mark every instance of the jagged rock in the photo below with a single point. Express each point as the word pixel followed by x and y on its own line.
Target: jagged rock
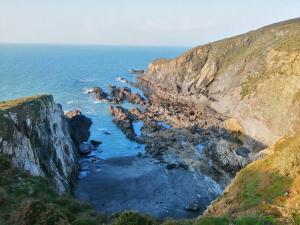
pixel 95 143
pixel 119 94
pixel 124 120
pixel 223 152
pixel 171 166
pixel 37 136
pixel 80 126
pixel 98 93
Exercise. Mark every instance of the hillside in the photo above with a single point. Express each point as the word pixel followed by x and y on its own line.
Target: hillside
pixel 28 200
pixel 254 78
pixel 269 186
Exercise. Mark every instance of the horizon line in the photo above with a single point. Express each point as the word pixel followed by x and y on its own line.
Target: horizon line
pixel 95 44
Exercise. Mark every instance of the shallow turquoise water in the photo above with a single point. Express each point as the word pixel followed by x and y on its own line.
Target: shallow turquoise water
pixel 66 71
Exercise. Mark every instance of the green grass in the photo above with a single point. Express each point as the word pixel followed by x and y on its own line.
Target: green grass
pixel 16 102
pixel 27 200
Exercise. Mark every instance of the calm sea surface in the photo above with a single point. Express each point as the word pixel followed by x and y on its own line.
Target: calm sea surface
pixel 67 72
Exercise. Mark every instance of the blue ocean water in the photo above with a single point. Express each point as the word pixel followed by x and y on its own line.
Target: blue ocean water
pixel 67 71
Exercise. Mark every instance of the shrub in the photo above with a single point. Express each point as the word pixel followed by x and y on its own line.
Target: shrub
pixel 134 218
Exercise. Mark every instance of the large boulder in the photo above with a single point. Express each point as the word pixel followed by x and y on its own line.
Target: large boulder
pixel 80 126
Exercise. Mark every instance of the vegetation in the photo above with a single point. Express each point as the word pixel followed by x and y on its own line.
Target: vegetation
pixel 19 101
pixel 269 186
pixel 27 200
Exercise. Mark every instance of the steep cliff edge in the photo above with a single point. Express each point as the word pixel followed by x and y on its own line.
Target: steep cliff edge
pixel 35 133
pixel 254 78
pixel 268 186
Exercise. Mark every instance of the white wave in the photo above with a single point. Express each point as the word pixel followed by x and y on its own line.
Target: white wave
pixel 100 101
pixel 121 79
pixel 86 80
pixel 87 90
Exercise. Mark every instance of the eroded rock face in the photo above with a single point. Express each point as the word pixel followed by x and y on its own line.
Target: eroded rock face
pixel 248 77
pixel 38 138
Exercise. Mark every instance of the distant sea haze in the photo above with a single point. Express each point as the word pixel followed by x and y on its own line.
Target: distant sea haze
pixel 69 71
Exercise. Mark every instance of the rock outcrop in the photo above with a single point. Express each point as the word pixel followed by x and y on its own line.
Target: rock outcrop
pixel 268 186
pixel 80 126
pixel 119 94
pixel 124 120
pixel 249 78
pixel 116 95
pixel 36 135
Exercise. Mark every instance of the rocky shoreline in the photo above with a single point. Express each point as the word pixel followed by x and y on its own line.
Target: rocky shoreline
pixel 179 136
pixel 188 136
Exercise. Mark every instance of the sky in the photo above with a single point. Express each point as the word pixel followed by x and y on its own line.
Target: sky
pixel 136 22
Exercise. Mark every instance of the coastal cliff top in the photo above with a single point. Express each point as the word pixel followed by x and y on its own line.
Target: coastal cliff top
pixel 4 105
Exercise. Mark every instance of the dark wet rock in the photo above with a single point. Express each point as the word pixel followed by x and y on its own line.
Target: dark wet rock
pixel 80 126
pixel 119 94
pixel 85 148
pixel 134 71
pixel 95 143
pixel 183 165
pixel 193 207
pixel 98 93
pixel 171 166
pixel 124 120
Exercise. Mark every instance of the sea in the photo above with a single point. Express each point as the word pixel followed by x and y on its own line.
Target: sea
pixel 68 71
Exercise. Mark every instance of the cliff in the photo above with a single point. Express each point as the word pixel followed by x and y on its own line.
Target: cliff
pixel 254 78
pixel 268 186
pixel 36 135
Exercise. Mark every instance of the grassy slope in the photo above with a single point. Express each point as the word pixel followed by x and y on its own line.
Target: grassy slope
pixel 27 200
pixel 269 186
pixel 4 105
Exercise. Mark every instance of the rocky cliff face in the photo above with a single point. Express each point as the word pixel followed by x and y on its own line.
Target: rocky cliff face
pixel 35 133
pixel 268 186
pixel 254 78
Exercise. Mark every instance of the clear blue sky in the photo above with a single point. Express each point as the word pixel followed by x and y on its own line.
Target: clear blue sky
pixel 136 22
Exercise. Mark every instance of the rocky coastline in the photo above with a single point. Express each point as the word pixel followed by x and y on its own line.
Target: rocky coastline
pixel 180 136
pixel 204 119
